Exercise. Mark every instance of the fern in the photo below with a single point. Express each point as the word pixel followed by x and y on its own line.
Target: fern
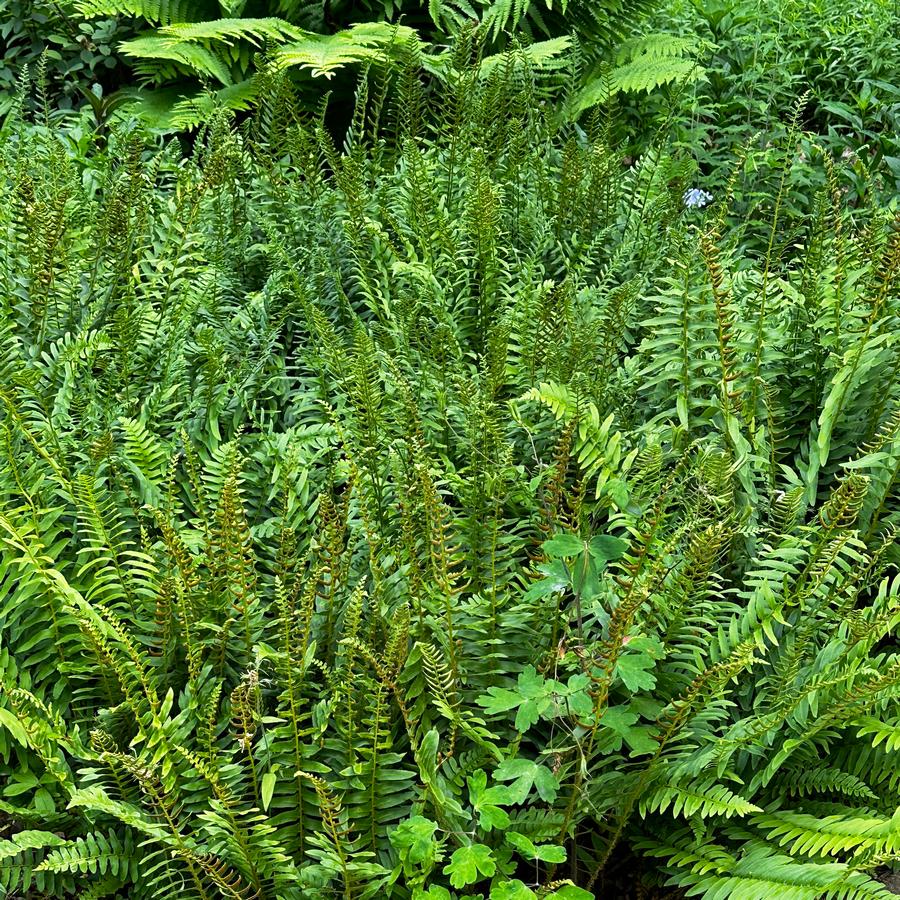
pixel 703 799
pixel 380 516
pixel 93 854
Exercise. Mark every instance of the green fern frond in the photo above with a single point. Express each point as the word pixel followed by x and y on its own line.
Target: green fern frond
pixel 703 798
pixel 161 11
pixel 323 55
pixel 883 734
pixel 764 873
pixel 832 835
pixel 97 853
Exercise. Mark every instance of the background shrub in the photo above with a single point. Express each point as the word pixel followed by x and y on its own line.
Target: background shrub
pixel 78 56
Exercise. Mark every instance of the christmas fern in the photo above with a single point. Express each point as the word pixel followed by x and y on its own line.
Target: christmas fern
pixel 452 512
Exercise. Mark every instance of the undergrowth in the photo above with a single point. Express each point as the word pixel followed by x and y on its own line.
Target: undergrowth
pixel 439 514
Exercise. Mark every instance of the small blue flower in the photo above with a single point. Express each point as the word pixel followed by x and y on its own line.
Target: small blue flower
pixel 694 198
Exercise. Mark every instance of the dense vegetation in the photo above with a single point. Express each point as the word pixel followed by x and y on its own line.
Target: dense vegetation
pixel 186 58
pixel 488 489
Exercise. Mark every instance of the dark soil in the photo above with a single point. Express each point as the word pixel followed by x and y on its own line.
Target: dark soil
pixel 630 877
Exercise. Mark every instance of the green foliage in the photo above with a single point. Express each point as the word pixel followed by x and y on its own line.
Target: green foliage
pixel 197 52
pixel 760 59
pixel 187 58
pixel 76 59
pixel 422 517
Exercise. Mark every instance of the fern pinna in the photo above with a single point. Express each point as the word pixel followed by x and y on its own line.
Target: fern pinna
pixel 444 514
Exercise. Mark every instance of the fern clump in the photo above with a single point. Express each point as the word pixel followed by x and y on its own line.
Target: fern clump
pixel 442 513
pixel 190 58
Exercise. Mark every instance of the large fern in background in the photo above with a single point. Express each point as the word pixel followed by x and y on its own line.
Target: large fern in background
pixel 195 55
pixel 448 514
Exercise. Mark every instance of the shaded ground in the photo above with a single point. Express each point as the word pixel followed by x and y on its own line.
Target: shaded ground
pixel 629 877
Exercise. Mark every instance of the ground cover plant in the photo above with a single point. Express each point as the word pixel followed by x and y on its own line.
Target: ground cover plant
pixel 448 510
pixel 758 58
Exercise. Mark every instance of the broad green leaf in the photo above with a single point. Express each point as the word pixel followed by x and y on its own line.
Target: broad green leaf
pixel 498 700
pixel 636 663
pixel 10 722
pixel 528 714
pixel 470 864
pixel 620 722
pixel 530 683
pixel 416 837
pixel 511 890
pixel 549 853
pixel 571 892
pixel 605 548
pixel 486 801
pixel 531 696
pixel 635 670
pixel 434 892
pixel 563 545
pixel 525 774
pixel 557 579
